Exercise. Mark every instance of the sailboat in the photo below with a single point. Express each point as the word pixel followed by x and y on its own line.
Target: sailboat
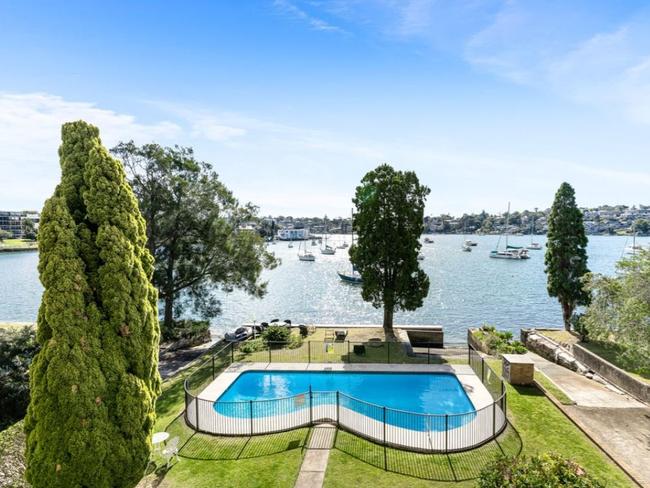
pixel 353 278
pixel 306 255
pixel 510 252
pixel 329 250
pixel 536 246
pixel 467 244
pixel 634 248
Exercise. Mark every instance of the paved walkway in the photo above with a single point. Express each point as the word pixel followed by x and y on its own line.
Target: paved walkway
pixel 314 464
pixel 616 421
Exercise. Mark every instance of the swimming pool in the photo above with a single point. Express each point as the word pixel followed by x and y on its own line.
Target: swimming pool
pixel 417 401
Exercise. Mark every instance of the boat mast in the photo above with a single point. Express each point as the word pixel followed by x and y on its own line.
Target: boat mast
pixel 507 222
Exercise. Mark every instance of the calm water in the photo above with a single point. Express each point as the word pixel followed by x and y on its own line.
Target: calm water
pixel 411 392
pixel 467 289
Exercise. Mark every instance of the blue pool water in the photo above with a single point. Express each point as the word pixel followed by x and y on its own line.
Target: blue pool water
pixel 404 394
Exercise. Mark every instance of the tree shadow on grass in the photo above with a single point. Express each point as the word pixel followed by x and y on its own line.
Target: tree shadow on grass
pixel 209 447
pixel 460 466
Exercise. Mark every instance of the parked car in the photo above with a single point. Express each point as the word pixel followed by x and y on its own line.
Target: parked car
pixel 240 334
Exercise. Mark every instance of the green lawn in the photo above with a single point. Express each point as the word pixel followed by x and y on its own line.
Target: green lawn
pixel 18 244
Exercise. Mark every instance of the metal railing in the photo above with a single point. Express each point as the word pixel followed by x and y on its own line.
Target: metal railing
pixel 384 425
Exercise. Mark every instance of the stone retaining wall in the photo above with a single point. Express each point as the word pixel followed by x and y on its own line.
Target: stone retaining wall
pixel 617 376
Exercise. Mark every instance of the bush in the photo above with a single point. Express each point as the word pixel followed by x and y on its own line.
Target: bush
pixel 276 333
pixel 184 329
pixel 17 349
pixel 252 345
pixel 305 331
pixel 295 341
pixel 499 342
pixel 545 470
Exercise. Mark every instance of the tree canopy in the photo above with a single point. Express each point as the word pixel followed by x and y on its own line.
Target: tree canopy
pixel 566 253
pixel 95 380
pixel 389 221
pixel 620 310
pixel 194 230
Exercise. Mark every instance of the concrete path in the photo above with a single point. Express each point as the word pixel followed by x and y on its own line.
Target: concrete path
pixel 617 422
pixel 314 464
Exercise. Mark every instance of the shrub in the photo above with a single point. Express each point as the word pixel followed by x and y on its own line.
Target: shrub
pixel 17 349
pixel 545 470
pixel 184 329
pixel 276 333
pixel 252 345
pixel 498 342
pixel 295 341
pixel 304 330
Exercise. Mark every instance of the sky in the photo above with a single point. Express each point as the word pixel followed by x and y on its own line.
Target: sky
pixel 293 101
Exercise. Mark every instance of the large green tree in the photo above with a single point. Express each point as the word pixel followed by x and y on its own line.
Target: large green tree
pixel 620 310
pixel 389 221
pixel 566 253
pixel 95 380
pixel 194 230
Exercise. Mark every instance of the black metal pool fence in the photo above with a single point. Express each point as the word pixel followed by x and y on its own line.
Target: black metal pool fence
pixel 387 426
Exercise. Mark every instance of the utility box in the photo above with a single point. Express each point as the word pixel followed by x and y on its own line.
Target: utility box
pixel 518 369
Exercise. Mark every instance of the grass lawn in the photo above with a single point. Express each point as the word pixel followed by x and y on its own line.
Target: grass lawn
pixel 18 244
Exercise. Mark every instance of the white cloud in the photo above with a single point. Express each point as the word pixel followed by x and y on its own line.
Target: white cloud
pixel 316 23
pixel 30 132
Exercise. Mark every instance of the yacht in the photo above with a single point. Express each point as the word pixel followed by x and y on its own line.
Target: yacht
pixel 535 246
pixel 510 252
pixel 428 240
pixel 470 243
pixel 420 257
pixel 466 248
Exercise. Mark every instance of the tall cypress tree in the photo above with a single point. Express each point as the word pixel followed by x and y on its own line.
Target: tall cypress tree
pixel 566 253
pixel 95 380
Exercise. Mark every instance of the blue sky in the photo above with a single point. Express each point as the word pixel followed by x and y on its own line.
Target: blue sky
pixel 294 100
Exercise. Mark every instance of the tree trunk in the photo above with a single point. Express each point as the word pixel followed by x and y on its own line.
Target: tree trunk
pixel 169 293
pixel 567 312
pixel 388 319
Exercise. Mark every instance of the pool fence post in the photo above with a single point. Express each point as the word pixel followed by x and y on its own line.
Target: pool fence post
pixel 196 406
pixel 385 455
pixel 469 354
pixel 337 407
pixel 446 433
pixel 388 350
pixel 309 351
pixel 270 344
pixel 482 370
pixel 212 367
pixel 232 352
pixel 494 418
pixel 349 358
pixel 250 404
pixel 428 354
pixel 311 414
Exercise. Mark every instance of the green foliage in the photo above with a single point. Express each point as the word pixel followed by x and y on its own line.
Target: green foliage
pixel 642 226
pixel 499 342
pixel 17 349
pixel 252 345
pixel 276 333
pixel 29 230
pixel 566 253
pixel 5 234
pixel 295 341
pixel 95 380
pixel 184 329
pixel 389 221
pixel 193 230
pixel 543 471
pixel 620 310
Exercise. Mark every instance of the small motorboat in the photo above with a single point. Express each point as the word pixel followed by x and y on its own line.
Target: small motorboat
pixel 420 257
pixel 428 240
